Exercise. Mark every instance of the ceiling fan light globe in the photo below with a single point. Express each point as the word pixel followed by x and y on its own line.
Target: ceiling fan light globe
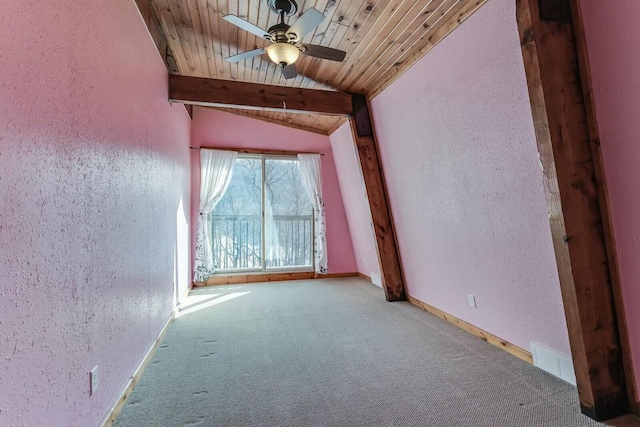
pixel 283 53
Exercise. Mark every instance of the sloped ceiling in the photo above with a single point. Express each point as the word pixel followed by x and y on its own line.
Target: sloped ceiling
pixel 382 39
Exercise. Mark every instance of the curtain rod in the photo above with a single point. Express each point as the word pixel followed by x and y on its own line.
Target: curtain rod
pixel 256 151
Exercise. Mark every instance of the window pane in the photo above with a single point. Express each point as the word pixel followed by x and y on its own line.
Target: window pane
pixel 288 216
pixel 236 220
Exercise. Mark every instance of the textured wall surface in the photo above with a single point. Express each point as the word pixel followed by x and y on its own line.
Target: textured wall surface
pixel 212 128
pixel 356 204
pixel 465 183
pixel 94 206
pixel 614 53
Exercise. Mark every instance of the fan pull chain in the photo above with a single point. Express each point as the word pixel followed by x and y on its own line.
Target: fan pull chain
pixel 284 104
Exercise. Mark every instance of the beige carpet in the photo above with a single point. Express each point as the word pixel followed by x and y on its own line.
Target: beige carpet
pixel 333 353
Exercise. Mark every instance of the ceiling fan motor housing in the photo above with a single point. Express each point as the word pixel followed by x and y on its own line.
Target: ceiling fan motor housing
pixel 278 33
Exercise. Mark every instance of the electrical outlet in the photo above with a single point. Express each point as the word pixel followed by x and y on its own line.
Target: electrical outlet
pixel 472 301
pixel 93 381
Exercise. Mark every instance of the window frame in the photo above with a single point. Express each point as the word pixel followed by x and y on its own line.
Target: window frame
pixel 264 269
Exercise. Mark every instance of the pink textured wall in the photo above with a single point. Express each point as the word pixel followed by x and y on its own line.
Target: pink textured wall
pixel 614 53
pixel 355 200
pixel 94 190
pixel 465 183
pixel 213 128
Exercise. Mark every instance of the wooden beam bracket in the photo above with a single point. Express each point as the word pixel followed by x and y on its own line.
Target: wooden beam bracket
pixel 361 116
pixel 555 10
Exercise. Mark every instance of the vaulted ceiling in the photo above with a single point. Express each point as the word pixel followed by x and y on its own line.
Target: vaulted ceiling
pixel 382 39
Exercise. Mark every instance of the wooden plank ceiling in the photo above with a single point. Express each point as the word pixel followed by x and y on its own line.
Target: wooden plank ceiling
pixel 382 39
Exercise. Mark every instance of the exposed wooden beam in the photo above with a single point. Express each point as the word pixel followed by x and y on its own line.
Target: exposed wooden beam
pixel 594 137
pixel 150 18
pixel 233 94
pixel 387 249
pixel 574 201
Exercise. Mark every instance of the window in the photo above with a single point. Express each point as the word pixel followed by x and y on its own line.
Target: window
pixel 264 221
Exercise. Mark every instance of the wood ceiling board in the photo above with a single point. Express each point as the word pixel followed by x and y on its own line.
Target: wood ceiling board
pixel 288 119
pixel 372 19
pixel 362 70
pixel 199 39
pixel 336 125
pixel 383 54
pixel 182 20
pixel 413 55
pixel 316 36
pixel 173 40
pixel 315 63
pixel 208 40
pixel 150 18
pixel 257 63
pixel 382 39
pixel 230 36
pixel 318 123
pixel 343 36
pixel 214 20
pixel 392 57
pixel 376 38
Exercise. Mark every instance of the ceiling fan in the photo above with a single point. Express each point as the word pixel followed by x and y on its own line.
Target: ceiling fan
pixel 285 39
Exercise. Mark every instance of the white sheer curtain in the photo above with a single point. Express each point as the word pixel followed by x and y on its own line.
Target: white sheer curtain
pixel 216 168
pixel 310 169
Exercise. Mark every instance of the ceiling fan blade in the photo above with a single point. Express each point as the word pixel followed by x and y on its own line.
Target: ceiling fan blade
pixel 307 22
pixel 323 52
pixel 290 72
pixel 247 26
pixel 246 55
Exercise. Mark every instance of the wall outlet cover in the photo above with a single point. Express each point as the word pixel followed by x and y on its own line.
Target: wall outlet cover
pixel 472 301
pixel 93 381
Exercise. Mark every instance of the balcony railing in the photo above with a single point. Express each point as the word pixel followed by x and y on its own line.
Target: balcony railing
pixel 237 242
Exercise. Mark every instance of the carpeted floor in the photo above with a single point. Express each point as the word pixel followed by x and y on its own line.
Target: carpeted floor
pixel 334 353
